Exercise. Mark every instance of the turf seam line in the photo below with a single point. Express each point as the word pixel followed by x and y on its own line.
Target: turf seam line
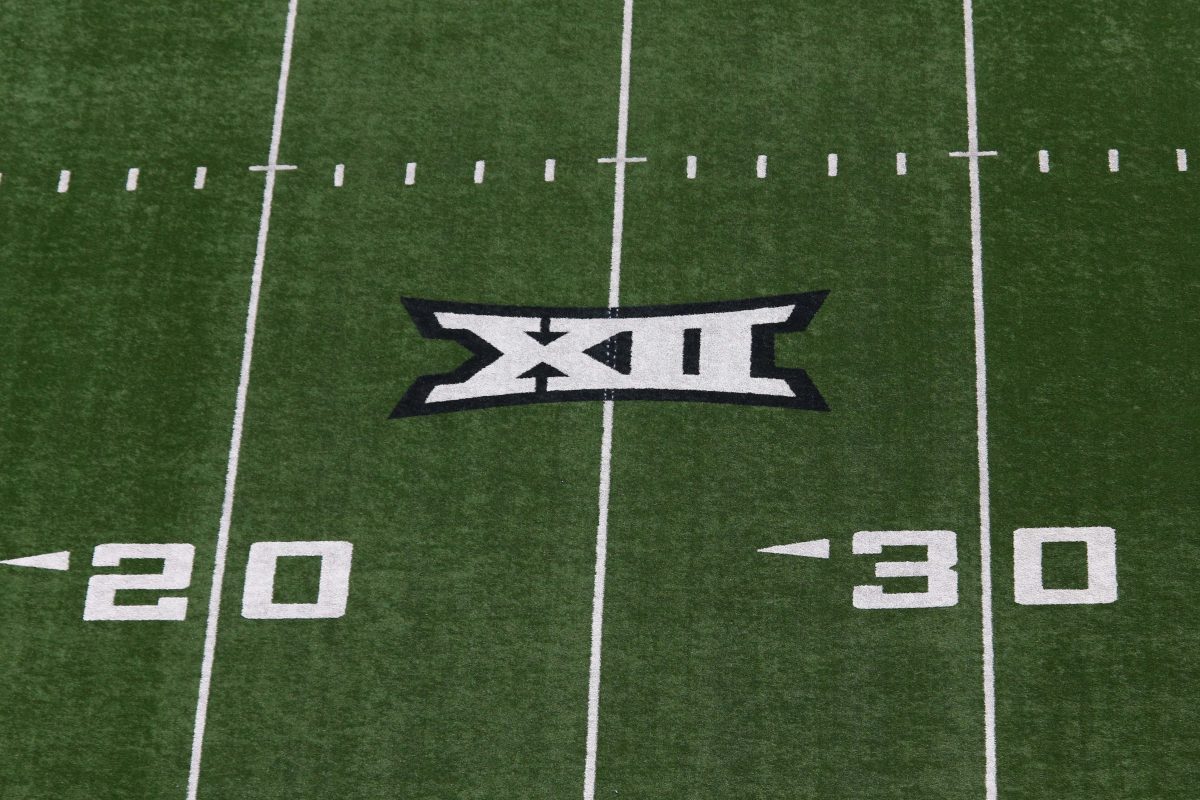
pixel 235 440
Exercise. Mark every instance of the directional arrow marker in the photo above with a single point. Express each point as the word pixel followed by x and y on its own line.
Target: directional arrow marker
pixel 816 548
pixel 58 561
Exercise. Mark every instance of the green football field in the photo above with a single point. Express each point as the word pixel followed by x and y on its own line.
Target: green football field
pixel 558 399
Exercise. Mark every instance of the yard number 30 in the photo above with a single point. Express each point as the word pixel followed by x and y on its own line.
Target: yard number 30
pixel 1028 583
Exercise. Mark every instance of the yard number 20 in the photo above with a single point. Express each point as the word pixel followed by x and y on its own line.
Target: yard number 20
pixel 257 597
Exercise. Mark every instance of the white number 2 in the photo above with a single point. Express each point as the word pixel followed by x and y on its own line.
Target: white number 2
pixel 101 602
pixel 937 569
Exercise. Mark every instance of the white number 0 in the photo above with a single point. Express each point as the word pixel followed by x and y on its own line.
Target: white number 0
pixel 937 569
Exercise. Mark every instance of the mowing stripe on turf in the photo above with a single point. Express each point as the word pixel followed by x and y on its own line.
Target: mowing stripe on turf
pixel 235 440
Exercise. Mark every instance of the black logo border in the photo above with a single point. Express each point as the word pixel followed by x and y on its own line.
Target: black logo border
pixel 762 355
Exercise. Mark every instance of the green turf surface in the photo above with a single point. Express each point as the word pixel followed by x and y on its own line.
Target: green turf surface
pixel 460 668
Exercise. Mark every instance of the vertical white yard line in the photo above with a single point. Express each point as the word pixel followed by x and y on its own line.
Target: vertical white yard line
pixel 1043 160
pixel 981 414
pixel 614 294
pixel 201 177
pixel 339 175
pixel 548 172
pixel 691 168
pixel 239 413
pixel 64 180
pixel 901 163
pixel 131 179
pixel 1181 159
pixel 479 167
pixel 831 165
pixel 410 173
pixel 1114 161
pixel 760 167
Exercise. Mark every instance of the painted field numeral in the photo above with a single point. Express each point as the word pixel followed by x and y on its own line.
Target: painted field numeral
pixel 937 569
pixel 1029 587
pixel 258 601
pixel 101 602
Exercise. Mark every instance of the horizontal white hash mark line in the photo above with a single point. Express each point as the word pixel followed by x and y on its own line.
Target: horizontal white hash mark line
pixel 973 153
pixel 625 160
pixel 272 167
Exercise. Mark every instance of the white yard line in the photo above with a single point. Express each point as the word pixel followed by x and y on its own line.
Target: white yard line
pixel 691 168
pixel 973 155
pixel 479 167
pixel 1114 161
pixel 410 173
pixel 339 175
pixel 131 179
pixel 201 177
pixel 1181 159
pixel 548 172
pixel 760 167
pixel 620 161
pixel 64 180
pixel 831 165
pixel 1043 160
pixel 901 163
pixel 235 441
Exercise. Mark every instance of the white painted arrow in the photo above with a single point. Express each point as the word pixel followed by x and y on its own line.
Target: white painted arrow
pixel 57 561
pixel 817 548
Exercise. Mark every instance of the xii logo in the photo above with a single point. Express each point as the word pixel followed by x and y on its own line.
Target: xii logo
pixel 721 352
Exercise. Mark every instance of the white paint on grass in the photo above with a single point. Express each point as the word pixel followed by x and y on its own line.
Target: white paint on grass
pixel 479 167
pixel 901 163
pixel 410 173
pixel 1181 159
pixel 60 561
pixel 760 167
pixel 201 177
pixel 64 180
pixel 1114 161
pixel 548 173
pixel 339 175
pixel 131 179
pixel 620 162
pixel 814 548
pixel 239 413
pixel 831 165
pixel 691 168
pixel 981 412
pixel 1043 160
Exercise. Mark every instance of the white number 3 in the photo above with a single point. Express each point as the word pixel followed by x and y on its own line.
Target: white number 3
pixel 937 569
